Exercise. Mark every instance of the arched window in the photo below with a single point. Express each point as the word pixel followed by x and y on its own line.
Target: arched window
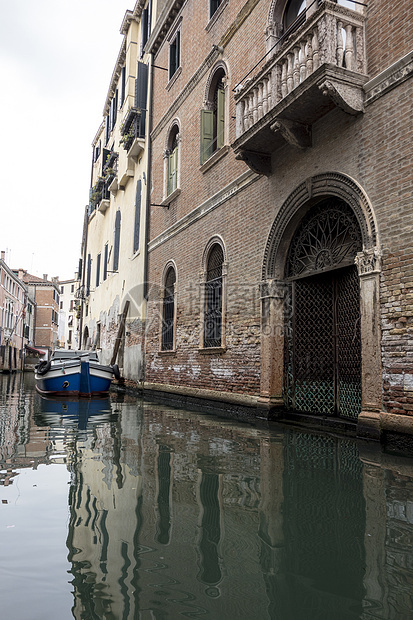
pixel 213 117
pixel 168 311
pixel 172 159
pixel 213 297
pixel 293 10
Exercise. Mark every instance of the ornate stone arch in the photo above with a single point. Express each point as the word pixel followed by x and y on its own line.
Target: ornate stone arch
pixel 333 184
pixel 175 123
pixel 212 241
pixel 219 67
pixel 168 305
pixel 275 290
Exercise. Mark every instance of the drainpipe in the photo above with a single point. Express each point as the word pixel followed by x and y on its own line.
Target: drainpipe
pixel 82 286
pixel 148 209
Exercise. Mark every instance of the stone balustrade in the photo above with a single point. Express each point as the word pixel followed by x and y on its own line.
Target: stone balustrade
pixel 332 35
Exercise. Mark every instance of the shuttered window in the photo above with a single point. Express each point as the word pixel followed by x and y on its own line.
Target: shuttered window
pixel 213 124
pixel 88 273
pixel 207 134
pixel 137 226
pixel 116 244
pixel 172 170
pixel 97 270
pixel 141 94
pixel 105 262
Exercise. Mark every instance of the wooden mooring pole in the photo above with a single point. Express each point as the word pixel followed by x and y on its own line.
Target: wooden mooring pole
pixel 120 333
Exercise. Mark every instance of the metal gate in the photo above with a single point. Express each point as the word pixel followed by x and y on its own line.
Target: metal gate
pixel 323 343
pixel 323 346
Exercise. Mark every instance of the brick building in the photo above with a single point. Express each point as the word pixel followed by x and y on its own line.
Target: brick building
pixel 45 294
pixel 69 314
pixel 279 255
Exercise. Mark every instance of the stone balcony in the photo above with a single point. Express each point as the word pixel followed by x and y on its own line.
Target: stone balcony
pixel 321 65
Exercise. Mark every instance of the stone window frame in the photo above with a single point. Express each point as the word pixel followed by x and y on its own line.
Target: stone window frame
pixel 216 239
pixel 208 104
pixel 169 265
pixel 173 130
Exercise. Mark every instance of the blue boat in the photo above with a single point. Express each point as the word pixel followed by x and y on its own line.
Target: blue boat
pixel 75 373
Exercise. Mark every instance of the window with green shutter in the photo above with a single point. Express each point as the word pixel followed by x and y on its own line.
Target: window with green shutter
pixel 213 118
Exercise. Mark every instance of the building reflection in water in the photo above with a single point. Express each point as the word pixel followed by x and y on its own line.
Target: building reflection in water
pixel 175 514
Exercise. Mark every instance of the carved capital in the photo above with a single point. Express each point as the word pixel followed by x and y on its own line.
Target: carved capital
pixel 296 134
pixel 368 261
pixel 275 289
pixel 258 162
pixel 348 98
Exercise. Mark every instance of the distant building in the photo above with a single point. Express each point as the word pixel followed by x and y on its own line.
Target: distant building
pixel 115 231
pixel 16 318
pixel 69 314
pixel 45 294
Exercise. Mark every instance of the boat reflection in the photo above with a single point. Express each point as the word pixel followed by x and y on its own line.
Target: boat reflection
pixel 73 412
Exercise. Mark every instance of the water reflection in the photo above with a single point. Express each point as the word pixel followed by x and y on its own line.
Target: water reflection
pixel 173 514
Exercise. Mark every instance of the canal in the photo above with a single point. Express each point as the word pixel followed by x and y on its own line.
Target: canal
pixel 124 509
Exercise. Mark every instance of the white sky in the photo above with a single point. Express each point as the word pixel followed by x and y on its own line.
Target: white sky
pixel 56 61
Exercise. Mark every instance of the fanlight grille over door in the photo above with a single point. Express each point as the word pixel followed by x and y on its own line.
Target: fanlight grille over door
pixel 323 344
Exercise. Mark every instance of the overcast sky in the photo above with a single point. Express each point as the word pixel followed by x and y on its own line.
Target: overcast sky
pixel 56 61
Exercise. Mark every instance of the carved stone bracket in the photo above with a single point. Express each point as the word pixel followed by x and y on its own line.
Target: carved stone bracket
pixel 296 134
pixel 368 261
pixel 348 98
pixel 258 162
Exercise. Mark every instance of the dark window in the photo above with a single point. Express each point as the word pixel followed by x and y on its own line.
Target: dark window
pixel 72 288
pixel 168 312
pixel 146 25
pixel 116 244
pixel 294 13
pixel 213 298
pixel 136 230
pixel 97 151
pixel 213 7
pixel 107 129
pixel 122 86
pixel 97 270
pixel 105 262
pixel 175 54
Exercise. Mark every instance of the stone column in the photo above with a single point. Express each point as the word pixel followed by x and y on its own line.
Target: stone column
pixel 273 297
pixel 369 266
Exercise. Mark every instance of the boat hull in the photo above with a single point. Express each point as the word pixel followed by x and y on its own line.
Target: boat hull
pixel 77 378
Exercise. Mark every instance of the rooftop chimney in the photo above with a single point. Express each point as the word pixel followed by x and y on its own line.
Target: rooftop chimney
pixel 3 255
pixel 45 277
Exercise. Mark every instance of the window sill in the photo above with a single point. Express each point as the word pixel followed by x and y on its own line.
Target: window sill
pixel 166 201
pixel 174 78
pixel 216 15
pixel 214 159
pixel 168 352
pixel 212 350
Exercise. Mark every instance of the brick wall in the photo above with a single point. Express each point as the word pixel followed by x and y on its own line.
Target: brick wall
pixel 374 149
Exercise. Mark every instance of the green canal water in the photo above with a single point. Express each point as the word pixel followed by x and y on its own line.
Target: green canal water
pixel 124 509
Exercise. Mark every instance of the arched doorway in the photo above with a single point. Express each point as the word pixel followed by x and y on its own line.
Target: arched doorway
pixel 322 348
pixel 320 304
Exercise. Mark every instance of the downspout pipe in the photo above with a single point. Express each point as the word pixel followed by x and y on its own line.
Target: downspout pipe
pixel 148 209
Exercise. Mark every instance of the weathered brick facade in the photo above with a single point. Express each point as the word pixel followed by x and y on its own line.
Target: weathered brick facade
pixel 347 137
